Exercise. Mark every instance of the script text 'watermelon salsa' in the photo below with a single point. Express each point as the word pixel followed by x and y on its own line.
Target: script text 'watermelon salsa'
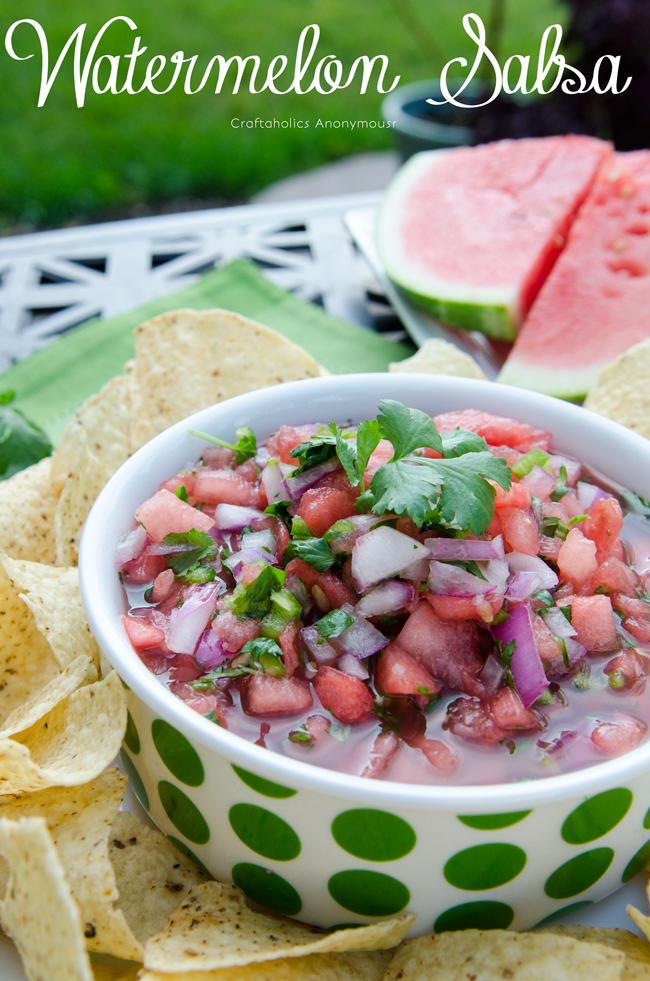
pixel 425 601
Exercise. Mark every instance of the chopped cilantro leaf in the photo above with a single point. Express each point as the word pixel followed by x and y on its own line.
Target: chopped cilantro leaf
pixel 315 551
pixel 334 623
pixel 22 442
pixel 300 529
pixel 543 596
pixel 460 441
pixel 560 485
pixel 280 510
pixel 185 563
pixel 181 493
pixel 255 597
pixel 578 518
pixel 301 736
pixel 207 681
pixel 211 717
pixel 407 429
pixel 244 448
pixel 266 655
pixel 313 451
pixel 340 527
pixel 505 656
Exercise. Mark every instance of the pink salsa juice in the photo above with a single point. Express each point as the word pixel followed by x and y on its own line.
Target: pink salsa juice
pixel 468 609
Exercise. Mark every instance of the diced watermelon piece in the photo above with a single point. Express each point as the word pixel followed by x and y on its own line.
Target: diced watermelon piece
pixel 321 507
pixel 202 703
pixel 593 618
pixel 631 665
pixel 145 567
pixel 317 726
pixel 517 497
pixel 603 525
pixel 335 591
pixel 346 697
pixel 495 430
pixel 279 529
pixel 141 633
pixel 449 651
pixel 291 645
pixel 549 649
pixel 226 487
pixel 616 738
pixel 483 608
pixel 172 484
pixel 383 749
pixel 520 533
pixel 217 457
pixel 616 577
pixel 287 439
pixel 469 719
pixel 577 558
pixel 383 452
pixel 266 694
pixel 636 614
pixel 233 632
pixel 154 661
pixel 248 471
pixel 549 548
pixel 398 674
pixel 437 753
pixel 162 586
pixel 183 667
pixel 508 712
pixel 165 513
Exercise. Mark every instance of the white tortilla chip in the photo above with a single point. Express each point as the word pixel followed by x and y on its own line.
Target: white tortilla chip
pixel 27 714
pixel 105 420
pixel 52 594
pixel 70 745
pixel 186 360
pixel 27 505
pixel 77 497
pixel 622 392
pixel 438 357
pixel 38 911
pixel 214 928
pixel 314 967
pixel 492 955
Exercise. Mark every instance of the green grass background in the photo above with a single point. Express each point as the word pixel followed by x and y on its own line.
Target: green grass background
pixel 61 164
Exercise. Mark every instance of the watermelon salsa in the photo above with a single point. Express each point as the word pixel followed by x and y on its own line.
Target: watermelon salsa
pixel 424 600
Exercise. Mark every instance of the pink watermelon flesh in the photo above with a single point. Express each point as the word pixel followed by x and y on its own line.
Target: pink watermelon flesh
pixel 473 232
pixel 596 302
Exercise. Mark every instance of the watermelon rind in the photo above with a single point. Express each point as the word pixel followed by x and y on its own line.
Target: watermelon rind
pixel 571 383
pixel 492 310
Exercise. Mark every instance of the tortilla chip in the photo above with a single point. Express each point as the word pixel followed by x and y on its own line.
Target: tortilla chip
pixel 438 357
pixel 314 967
pixel 27 505
pixel 214 928
pixel 631 945
pixel 27 663
pixel 622 392
pixel 38 911
pixel 492 955
pixel 105 420
pixel 152 876
pixel 77 497
pixel 103 971
pixel 68 746
pixel 52 594
pixel 186 360
pixel 25 715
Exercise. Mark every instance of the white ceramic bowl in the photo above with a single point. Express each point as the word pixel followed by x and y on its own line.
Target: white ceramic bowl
pixel 458 856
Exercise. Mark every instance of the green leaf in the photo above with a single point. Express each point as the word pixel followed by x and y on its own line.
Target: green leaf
pixel 197 576
pixel 266 655
pixel 578 518
pixel 560 485
pixel 460 441
pixel 256 595
pixel 207 681
pixel 211 717
pixel 529 460
pixel 22 443
pixel 280 510
pixel 183 562
pixel 407 429
pixel 300 529
pixel 364 502
pixel 244 448
pixel 181 493
pixel 346 451
pixel 340 527
pixel 334 623
pixel 368 438
pixel 636 504
pixel 543 596
pixel 315 551
pixel 313 451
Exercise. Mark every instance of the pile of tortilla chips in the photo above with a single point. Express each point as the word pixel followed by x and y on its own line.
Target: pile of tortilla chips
pixel 88 892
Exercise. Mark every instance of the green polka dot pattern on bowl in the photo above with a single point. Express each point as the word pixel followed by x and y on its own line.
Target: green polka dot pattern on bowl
pixel 183 813
pixel 134 779
pixel 596 816
pixel 376 836
pixel 484 915
pixel 131 736
pixel 177 753
pixel 493 822
pixel 565 911
pixel 266 887
pixel 368 893
pixel 182 847
pixel 262 786
pixel 637 862
pixel 578 873
pixel 485 866
pixel 264 832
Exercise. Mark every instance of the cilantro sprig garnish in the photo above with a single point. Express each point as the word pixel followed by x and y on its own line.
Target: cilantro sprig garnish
pixel 255 598
pixel 334 623
pixel 245 447
pixel 188 565
pixel 314 551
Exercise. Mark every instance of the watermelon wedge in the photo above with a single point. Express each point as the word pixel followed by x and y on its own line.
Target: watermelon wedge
pixel 596 302
pixel 472 233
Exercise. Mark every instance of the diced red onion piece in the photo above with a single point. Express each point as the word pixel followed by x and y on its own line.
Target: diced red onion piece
pixel 320 649
pixel 295 487
pixel 273 476
pixel 589 493
pixel 449 580
pixel 360 639
pixel 465 550
pixel 526 665
pixel 232 517
pixel 187 623
pixel 248 556
pixel 519 562
pixel 388 597
pixel 521 586
pixel 352 665
pixel 539 482
pixel 163 549
pixel 362 524
pixel 496 572
pixel 209 651
pixel 558 624
pixel 297 588
pixel 575 651
pixel 491 674
pixel 573 468
pixel 382 554
pixel 262 456
pixel 260 539
pixel 130 546
pixel 416 571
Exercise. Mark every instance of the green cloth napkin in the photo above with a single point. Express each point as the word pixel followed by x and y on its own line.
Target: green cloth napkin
pixel 54 381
